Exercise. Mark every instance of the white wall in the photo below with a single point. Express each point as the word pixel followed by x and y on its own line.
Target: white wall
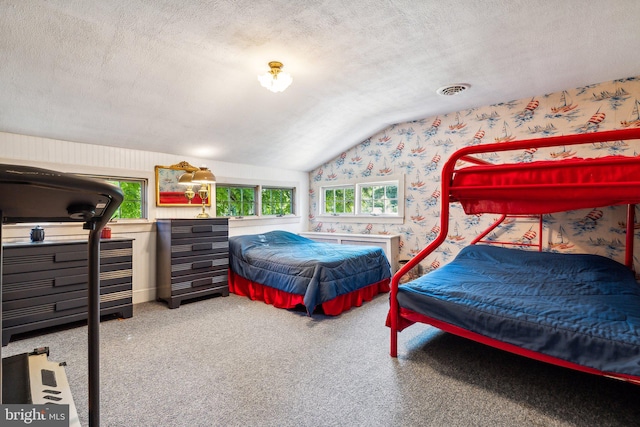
pixel 74 157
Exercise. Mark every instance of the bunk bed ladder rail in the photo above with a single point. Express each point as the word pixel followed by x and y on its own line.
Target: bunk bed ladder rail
pixel 466 154
pixel 394 309
pixel 629 237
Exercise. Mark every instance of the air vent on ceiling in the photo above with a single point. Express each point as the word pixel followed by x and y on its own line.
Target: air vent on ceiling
pixel 452 89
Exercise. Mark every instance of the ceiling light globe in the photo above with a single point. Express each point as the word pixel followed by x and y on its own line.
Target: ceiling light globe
pixel 275 79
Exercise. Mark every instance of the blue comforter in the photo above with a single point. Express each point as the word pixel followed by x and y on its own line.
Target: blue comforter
pixel 297 265
pixel 583 309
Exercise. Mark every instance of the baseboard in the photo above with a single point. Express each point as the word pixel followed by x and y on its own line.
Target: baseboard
pixel 144 295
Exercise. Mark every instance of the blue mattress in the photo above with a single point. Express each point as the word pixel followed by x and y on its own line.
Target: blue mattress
pixel 297 265
pixel 584 309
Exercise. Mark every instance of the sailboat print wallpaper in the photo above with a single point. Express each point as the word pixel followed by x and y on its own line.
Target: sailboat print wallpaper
pixel 418 150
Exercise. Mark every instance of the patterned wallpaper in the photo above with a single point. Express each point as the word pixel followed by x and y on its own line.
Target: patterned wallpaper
pixel 419 149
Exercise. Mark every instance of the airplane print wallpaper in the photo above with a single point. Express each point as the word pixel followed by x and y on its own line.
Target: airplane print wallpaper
pixel 419 149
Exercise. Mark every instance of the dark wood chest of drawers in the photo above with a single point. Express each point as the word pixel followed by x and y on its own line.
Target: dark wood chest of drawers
pixel 193 259
pixel 45 284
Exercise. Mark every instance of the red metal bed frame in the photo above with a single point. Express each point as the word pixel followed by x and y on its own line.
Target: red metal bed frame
pixel 399 318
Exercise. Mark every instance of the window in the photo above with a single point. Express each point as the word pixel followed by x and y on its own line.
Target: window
pixel 235 200
pixel 379 199
pixel 134 204
pixel 277 201
pixel 384 199
pixel 339 200
pixel 245 201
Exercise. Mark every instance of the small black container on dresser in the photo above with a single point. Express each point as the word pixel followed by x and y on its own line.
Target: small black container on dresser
pixel 192 259
pixel 45 283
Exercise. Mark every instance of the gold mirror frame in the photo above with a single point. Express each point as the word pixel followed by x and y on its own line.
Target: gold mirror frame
pixel 170 193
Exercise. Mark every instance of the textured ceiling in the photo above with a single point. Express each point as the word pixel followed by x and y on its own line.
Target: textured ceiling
pixel 179 76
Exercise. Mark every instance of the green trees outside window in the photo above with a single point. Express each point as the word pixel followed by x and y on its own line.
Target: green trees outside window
pixel 339 200
pixel 235 201
pixel 363 198
pixel 277 201
pixel 241 201
pixel 379 199
pixel 133 205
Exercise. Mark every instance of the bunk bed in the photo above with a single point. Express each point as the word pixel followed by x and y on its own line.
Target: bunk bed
pixel 286 270
pixel 579 311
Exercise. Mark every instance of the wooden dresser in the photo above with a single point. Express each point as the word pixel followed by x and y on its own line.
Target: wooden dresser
pixel 193 259
pixel 45 283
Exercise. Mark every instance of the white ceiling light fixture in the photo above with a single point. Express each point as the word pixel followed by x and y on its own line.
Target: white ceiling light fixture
pixel 452 89
pixel 275 79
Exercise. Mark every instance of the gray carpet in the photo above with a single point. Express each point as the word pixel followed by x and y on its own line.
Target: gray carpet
pixel 235 362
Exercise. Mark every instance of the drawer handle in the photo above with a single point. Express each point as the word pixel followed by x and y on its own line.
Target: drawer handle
pixel 70 256
pixel 202 229
pixel 201 282
pixel 71 304
pixel 70 280
pixel 202 246
pixel 201 264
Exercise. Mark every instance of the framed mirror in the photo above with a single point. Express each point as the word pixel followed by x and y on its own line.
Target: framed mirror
pixel 170 193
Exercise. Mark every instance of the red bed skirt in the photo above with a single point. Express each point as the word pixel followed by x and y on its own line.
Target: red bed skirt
pixel 280 299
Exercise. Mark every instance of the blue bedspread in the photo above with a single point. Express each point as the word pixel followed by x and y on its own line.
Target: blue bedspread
pixel 297 265
pixel 583 309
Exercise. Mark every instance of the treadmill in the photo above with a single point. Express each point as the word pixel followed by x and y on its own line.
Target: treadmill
pixel 29 194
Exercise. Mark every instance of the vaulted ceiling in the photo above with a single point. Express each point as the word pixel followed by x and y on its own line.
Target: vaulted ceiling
pixel 179 76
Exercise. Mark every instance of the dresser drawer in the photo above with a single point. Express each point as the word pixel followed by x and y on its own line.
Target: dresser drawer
pixel 35 258
pixel 193 229
pixel 25 285
pixel 202 246
pixel 111 274
pixel 40 308
pixel 115 252
pixel 199 264
pixel 194 282
pixel 31 310
pixel 43 257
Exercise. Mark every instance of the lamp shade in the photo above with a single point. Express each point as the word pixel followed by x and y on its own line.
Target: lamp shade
pixel 186 178
pixel 203 176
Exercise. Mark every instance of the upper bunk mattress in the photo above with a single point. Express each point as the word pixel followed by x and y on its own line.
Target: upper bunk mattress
pixel 297 265
pixel 547 186
pixel 584 309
